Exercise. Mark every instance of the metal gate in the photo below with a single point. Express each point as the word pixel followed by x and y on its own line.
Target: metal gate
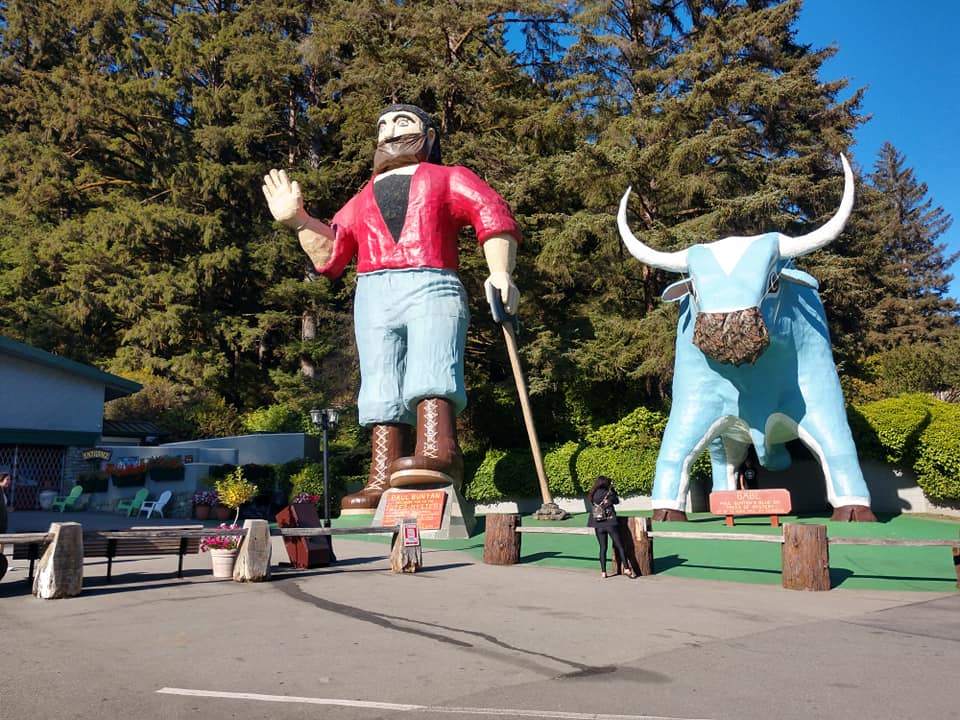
pixel 34 468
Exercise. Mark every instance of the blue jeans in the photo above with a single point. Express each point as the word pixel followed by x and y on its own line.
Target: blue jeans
pixel 411 330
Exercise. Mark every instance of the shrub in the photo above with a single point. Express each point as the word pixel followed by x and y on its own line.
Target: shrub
pixel 914 430
pixel 938 454
pixel 637 430
pixel 889 429
pixel 308 480
pixel 504 474
pixel 571 469
pixel 631 469
pixel 278 418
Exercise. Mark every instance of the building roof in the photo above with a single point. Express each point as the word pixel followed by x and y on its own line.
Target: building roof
pixel 114 385
pixel 131 428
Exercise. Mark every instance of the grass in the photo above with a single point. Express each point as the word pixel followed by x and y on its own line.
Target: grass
pixel 922 569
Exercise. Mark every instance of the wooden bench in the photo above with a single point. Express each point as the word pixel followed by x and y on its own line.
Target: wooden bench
pixel 161 540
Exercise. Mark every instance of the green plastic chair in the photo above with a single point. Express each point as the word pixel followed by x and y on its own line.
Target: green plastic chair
pixel 67 502
pixel 132 505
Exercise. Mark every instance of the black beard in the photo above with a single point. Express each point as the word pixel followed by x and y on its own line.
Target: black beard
pixel 400 151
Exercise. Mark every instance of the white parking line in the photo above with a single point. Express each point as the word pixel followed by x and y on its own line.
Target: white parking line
pixel 400 707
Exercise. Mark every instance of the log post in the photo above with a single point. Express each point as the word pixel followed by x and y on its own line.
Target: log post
pixel 253 560
pixel 806 557
pixel 501 544
pixel 639 530
pixel 406 554
pixel 61 568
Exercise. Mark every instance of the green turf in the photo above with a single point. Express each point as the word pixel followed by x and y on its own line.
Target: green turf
pixel 926 569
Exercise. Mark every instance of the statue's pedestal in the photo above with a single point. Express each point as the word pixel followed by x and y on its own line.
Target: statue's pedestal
pixel 440 510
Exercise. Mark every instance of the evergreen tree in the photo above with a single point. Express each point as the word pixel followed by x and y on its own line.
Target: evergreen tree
pixel 714 114
pixel 913 270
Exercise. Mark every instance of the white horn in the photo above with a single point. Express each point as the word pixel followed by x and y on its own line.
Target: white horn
pixel 794 247
pixel 675 261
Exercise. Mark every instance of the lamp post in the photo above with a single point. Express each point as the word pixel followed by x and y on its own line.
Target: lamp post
pixel 326 420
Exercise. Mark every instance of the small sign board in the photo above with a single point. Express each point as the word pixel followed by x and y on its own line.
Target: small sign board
pixel 424 505
pixel 411 533
pixel 97 453
pixel 773 502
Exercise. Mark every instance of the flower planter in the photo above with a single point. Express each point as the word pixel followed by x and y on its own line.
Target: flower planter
pixel 222 512
pixel 223 562
pixel 201 512
pixel 124 481
pixel 166 474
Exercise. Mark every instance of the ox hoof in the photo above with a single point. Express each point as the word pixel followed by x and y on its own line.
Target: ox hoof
pixel 853 513
pixel 668 515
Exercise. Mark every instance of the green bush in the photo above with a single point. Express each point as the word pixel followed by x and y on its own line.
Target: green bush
pixel 938 457
pixel 631 469
pixel 888 429
pixel 309 479
pixel 914 430
pixel 504 474
pixel 639 429
pixel 570 468
pixel 278 418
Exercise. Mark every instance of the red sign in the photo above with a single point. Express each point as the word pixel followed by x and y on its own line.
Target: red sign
pixel 775 501
pixel 411 535
pixel 424 505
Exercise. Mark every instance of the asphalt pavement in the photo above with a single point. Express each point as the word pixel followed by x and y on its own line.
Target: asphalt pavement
pixel 461 639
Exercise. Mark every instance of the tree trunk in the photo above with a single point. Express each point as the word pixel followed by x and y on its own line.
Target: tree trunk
pixel 253 560
pixel 406 555
pixel 61 567
pixel 502 543
pixel 639 532
pixel 806 557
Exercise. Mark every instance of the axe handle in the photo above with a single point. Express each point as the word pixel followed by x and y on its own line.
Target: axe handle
pixel 511 341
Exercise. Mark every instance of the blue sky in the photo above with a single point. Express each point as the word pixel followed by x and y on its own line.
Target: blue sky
pixel 904 54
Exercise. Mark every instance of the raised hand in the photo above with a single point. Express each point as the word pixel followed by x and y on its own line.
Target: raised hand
pixel 284 199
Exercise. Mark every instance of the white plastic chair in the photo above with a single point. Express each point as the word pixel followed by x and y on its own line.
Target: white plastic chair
pixel 152 506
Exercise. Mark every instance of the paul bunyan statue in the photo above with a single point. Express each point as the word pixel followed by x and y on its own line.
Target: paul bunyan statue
pixel 410 308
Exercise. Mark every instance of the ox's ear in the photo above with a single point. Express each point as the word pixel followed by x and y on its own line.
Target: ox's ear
pixel 799 277
pixel 677 290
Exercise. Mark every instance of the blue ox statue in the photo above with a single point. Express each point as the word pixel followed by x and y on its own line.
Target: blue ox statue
pixel 753 364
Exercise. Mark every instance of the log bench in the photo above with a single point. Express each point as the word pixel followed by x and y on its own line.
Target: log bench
pixel 109 544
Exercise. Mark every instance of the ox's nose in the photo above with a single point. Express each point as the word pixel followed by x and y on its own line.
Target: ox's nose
pixel 733 338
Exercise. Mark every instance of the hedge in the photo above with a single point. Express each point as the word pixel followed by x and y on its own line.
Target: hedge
pixel 918 431
pixel 625 451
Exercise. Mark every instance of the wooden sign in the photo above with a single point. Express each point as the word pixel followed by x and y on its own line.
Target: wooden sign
pixel 424 505
pixel 97 453
pixel 773 502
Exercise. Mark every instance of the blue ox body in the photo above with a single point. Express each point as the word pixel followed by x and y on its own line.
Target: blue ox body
pixel 771 381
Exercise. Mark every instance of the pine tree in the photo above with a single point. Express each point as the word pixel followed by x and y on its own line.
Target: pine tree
pixel 915 305
pixel 714 114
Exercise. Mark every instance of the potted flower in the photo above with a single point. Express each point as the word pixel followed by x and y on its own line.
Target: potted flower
pixel 305 497
pixel 223 550
pixel 234 490
pixel 165 468
pixel 132 474
pixel 203 500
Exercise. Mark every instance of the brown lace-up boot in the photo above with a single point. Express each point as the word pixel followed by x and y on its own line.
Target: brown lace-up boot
pixel 437 458
pixel 389 442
